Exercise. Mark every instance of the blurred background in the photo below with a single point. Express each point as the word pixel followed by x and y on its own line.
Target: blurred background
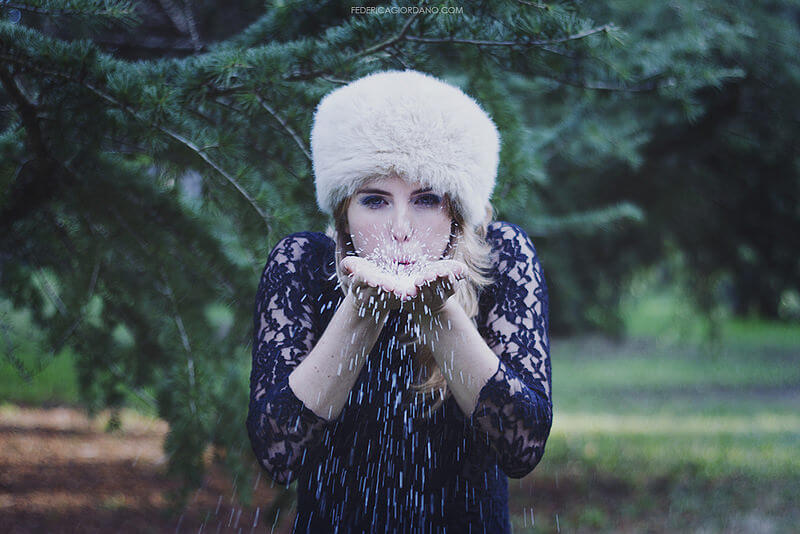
pixel 152 153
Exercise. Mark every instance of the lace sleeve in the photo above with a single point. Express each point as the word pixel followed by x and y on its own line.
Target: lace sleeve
pixel 280 426
pixel 514 408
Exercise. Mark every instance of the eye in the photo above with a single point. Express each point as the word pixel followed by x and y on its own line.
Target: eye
pixel 372 201
pixel 428 200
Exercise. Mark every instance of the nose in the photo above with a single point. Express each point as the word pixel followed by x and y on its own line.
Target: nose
pixel 400 226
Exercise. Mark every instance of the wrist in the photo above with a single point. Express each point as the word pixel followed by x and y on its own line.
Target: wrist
pixel 447 308
pixel 430 323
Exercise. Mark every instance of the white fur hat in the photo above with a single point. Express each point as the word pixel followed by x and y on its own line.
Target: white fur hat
pixel 411 123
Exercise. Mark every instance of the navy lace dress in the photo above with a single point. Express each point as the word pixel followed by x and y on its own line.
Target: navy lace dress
pixel 376 467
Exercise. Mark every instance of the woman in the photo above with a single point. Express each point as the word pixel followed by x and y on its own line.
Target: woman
pixel 401 366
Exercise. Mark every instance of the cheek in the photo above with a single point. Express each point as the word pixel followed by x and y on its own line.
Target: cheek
pixel 437 235
pixel 366 230
pixel 365 240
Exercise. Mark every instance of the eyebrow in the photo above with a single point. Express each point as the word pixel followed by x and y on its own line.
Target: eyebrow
pixel 382 192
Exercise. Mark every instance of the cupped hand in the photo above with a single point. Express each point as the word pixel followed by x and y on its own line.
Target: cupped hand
pixel 425 292
pixel 435 284
pixel 373 289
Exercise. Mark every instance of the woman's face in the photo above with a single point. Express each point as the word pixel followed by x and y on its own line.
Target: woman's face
pixel 396 224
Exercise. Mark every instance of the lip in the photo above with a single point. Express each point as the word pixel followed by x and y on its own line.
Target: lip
pixel 405 262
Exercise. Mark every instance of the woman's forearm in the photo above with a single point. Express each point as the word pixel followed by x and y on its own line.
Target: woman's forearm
pixel 465 359
pixel 326 375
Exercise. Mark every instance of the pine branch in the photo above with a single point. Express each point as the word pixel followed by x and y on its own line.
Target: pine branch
pixel 392 40
pixel 534 4
pixel 260 153
pixel 398 56
pixel 149 42
pixel 28 114
pixel 647 85
pixel 285 125
pixel 27 194
pixel 333 80
pixel 524 44
pixel 587 221
pixel 184 339
pixel 92 284
pixel 49 290
pixel 187 143
pixel 399 36
pixel 146 249
pixel 121 10
pixel 561 52
pixel 214 165
pixel 18 365
pixel 144 246
pixel 122 378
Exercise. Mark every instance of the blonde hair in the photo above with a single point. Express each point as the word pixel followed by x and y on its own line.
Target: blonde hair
pixel 467 245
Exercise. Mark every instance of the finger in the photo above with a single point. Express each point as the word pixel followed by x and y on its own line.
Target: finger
pixel 452 280
pixel 346 267
pixel 392 291
pixel 385 283
pixel 445 271
pixel 411 291
pixel 350 263
pixel 425 278
pixel 455 267
pixel 366 281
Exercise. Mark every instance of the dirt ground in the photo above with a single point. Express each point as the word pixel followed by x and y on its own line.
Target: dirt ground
pixel 60 472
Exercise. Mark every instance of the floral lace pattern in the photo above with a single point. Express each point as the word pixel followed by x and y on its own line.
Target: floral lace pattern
pixel 514 407
pixel 448 472
pixel 280 426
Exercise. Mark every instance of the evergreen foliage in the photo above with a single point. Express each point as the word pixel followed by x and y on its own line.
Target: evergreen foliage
pixel 150 157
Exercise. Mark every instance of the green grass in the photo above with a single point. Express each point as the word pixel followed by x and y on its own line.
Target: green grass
pixel 28 374
pixel 668 432
pixel 759 332
pixel 667 315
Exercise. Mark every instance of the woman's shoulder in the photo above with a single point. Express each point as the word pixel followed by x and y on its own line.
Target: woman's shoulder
pixel 515 264
pixel 505 236
pixel 307 253
pixel 302 244
pixel 513 255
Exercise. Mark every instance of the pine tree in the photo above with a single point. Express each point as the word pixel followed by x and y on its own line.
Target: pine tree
pixel 146 174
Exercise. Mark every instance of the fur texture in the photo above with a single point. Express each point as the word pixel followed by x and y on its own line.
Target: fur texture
pixel 411 124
